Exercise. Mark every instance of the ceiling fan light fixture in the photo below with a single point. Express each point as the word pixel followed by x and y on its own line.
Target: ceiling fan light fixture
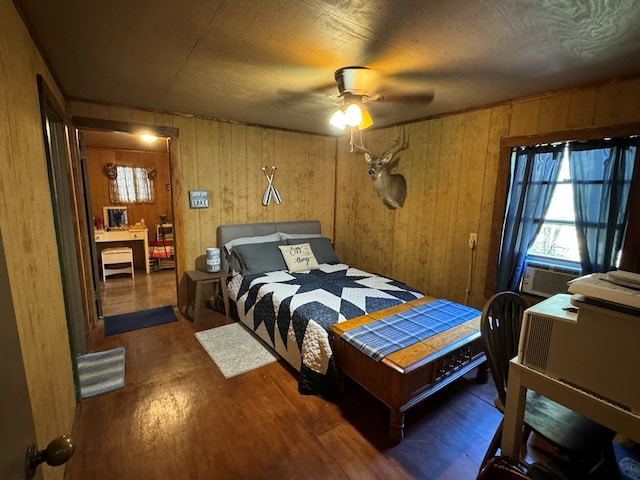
pixel 367 121
pixel 339 119
pixel 353 115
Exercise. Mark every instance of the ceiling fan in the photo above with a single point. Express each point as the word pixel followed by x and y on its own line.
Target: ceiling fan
pixel 359 85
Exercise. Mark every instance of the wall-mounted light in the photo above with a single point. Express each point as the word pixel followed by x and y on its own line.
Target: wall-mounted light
pixel 149 138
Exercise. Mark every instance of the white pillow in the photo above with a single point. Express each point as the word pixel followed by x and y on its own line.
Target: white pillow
pixel 299 258
pixel 272 237
pixel 299 235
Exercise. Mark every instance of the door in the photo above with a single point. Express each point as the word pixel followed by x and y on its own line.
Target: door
pixel 18 430
pixel 59 169
pixel 92 243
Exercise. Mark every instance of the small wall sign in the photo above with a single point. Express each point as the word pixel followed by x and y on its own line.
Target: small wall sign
pixel 199 198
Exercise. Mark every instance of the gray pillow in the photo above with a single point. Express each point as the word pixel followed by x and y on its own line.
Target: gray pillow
pixel 260 257
pixel 320 246
pixel 232 259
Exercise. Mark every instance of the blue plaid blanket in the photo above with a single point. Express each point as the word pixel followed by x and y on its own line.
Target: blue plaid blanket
pixel 382 337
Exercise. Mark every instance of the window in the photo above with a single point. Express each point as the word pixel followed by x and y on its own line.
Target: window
pixel 557 240
pixel 131 185
pixel 567 202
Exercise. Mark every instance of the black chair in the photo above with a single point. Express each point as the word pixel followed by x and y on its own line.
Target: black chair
pixel 587 445
pixel 500 468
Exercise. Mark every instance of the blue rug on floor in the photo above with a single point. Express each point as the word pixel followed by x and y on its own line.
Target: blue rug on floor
pixel 136 320
pixel 101 372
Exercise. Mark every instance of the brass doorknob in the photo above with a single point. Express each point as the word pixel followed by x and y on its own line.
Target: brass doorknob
pixel 58 451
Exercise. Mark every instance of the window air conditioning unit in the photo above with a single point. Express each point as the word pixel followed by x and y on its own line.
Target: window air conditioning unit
pixel 545 280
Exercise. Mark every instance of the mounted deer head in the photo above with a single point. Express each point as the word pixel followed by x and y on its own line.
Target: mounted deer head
pixel 392 187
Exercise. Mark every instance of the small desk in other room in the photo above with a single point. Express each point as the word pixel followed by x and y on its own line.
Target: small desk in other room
pixel 198 278
pixel 122 236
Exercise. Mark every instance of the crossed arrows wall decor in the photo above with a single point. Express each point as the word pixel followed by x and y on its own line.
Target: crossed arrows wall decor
pixel 271 191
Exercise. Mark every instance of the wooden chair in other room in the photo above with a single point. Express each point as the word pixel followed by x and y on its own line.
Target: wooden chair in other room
pixel 121 257
pixel 587 445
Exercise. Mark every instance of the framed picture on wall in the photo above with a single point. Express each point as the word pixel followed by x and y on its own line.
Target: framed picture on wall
pixel 199 198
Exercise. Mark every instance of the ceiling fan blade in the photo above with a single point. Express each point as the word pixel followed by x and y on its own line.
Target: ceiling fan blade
pixel 325 92
pixel 418 98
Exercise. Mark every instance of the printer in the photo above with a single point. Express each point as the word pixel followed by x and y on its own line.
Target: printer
pixel 588 342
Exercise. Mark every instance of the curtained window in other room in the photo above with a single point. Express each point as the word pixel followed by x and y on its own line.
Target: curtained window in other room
pixel 130 184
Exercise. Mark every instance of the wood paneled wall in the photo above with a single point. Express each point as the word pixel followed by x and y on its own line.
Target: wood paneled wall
pixel 28 237
pixel 99 184
pixel 451 169
pixel 226 160
pixel 425 243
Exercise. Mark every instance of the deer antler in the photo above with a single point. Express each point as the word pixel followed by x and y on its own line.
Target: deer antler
pixel 361 147
pixel 400 142
pixel 398 145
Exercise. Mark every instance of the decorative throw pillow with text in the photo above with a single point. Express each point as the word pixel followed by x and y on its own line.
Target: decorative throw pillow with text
pixel 299 257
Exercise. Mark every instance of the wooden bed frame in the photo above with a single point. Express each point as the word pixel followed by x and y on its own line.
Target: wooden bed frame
pixel 405 378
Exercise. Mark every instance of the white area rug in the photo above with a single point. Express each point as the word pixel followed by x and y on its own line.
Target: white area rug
pixel 234 349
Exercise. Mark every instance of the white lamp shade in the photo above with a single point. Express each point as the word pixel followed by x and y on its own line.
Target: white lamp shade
pixel 353 115
pixel 339 120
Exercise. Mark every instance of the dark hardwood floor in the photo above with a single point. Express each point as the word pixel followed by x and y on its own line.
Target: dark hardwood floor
pixel 123 294
pixel 179 418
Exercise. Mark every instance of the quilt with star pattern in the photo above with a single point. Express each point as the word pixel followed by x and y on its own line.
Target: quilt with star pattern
pixel 292 313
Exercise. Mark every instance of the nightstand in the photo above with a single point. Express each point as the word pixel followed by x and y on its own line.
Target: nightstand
pixel 198 278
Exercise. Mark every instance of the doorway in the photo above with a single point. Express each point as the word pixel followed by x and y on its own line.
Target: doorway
pixel 154 282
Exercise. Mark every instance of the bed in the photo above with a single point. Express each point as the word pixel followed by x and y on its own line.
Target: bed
pixel 291 306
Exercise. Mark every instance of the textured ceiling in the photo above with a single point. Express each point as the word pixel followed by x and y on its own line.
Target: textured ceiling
pixel 271 62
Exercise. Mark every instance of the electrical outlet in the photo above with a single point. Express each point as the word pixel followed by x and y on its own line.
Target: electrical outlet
pixel 473 240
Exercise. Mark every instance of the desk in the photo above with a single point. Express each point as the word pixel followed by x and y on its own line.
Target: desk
pixel 522 378
pixel 130 235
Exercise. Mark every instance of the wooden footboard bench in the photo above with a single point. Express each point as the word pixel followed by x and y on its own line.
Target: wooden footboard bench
pixel 406 377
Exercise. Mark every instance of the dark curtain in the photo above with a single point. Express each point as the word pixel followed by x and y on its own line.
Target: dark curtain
pixel 601 173
pixel 533 179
